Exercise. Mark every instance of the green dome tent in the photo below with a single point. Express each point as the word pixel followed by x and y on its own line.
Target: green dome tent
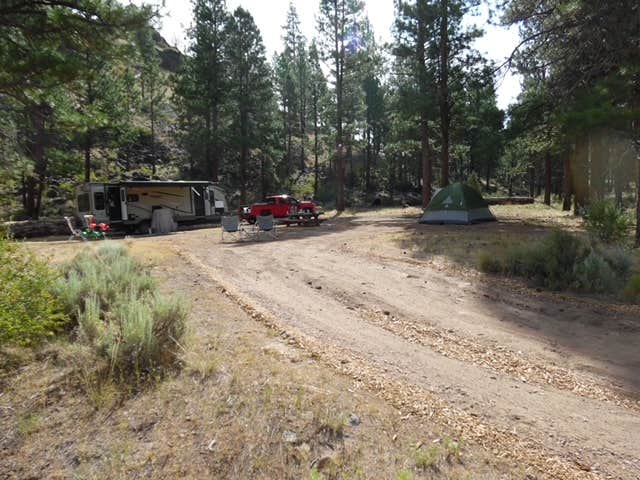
pixel 459 204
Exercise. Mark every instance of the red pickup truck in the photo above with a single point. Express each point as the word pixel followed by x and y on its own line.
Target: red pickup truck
pixel 282 206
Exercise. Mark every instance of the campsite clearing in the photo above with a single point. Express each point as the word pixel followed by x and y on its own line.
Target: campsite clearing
pixel 387 316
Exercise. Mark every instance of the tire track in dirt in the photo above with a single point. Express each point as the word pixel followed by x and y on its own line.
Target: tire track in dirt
pixel 411 398
pixel 497 358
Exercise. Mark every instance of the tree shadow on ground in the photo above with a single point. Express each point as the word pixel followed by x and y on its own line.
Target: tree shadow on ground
pixel 595 333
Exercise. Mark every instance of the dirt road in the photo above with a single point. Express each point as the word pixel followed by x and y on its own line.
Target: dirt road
pixel 557 377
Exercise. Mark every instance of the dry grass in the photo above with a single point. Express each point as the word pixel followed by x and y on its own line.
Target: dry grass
pixel 247 405
pixel 459 245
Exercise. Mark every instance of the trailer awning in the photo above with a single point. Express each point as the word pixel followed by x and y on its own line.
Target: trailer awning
pixel 151 183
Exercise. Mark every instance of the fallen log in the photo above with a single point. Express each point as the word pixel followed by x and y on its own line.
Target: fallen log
pixel 509 200
pixel 36 228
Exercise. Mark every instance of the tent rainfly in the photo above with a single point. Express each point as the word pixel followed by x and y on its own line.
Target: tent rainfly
pixel 457 204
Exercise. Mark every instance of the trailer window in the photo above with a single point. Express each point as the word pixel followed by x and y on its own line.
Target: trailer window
pixel 98 200
pixel 83 202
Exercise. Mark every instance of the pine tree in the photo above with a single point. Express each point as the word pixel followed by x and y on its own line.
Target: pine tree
pixel 434 48
pixel 292 72
pixel 44 48
pixel 317 96
pixel 286 93
pixel 336 22
pixel 251 97
pixel 374 114
pixel 454 43
pixel 414 28
pixel 554 36
pixel 202 87
pixel 154 89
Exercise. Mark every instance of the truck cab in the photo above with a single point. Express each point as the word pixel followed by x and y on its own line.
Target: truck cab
pixel 280 206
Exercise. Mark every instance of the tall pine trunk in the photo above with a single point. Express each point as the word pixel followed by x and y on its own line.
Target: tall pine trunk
pixel 350 158
pixel 425 149
pixel 289 149
pixel 616 154
pixel 303 131
pixel 532 180
pixel 597 171
pixel 36 144
pixel 445 114
pixel 580 175
pixel 567 187
pixel 635 126
pixel 88 146
pixel 339 54
pixel 263 178
pixel 316 166
pixel 88 138
pixel 215 162
pixel 426 161
pixel 547 177
pixel 488 179
pixel 207 145
pixel 637 201
pixel 153 134
pixel 367 164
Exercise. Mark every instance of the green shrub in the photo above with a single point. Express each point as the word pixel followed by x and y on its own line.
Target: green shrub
pixel 632 290
pixel 405 474
pixel 29 311
pixel 550 262
pixel 453 449
pixel 90 324
pixel 426 458
pixel 106 273
pixel 489 263
pixel 607 222
pixel 619 259
pixel 119 313
pixel 594 274
pixel 563 261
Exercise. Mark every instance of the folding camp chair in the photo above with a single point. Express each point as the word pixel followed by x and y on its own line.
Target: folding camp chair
pixel 75 233
pixel 231 226
pixel 267 225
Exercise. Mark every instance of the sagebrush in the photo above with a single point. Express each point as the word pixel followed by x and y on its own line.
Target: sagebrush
pixel 119 312
pixel 563 261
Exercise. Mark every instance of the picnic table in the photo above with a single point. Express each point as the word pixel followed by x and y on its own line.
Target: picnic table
pixel 304 219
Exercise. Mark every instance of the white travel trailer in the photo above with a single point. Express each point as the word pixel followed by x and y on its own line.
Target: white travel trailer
pixel 130 205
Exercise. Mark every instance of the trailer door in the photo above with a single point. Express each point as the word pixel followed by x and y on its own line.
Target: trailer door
pixel 208 207
pixel 114 207
pixel 198 200
pixel 99 200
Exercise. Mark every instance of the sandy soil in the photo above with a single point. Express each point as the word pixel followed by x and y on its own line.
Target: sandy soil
pixel 249 402
pixel 560 376
pixel 544 380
